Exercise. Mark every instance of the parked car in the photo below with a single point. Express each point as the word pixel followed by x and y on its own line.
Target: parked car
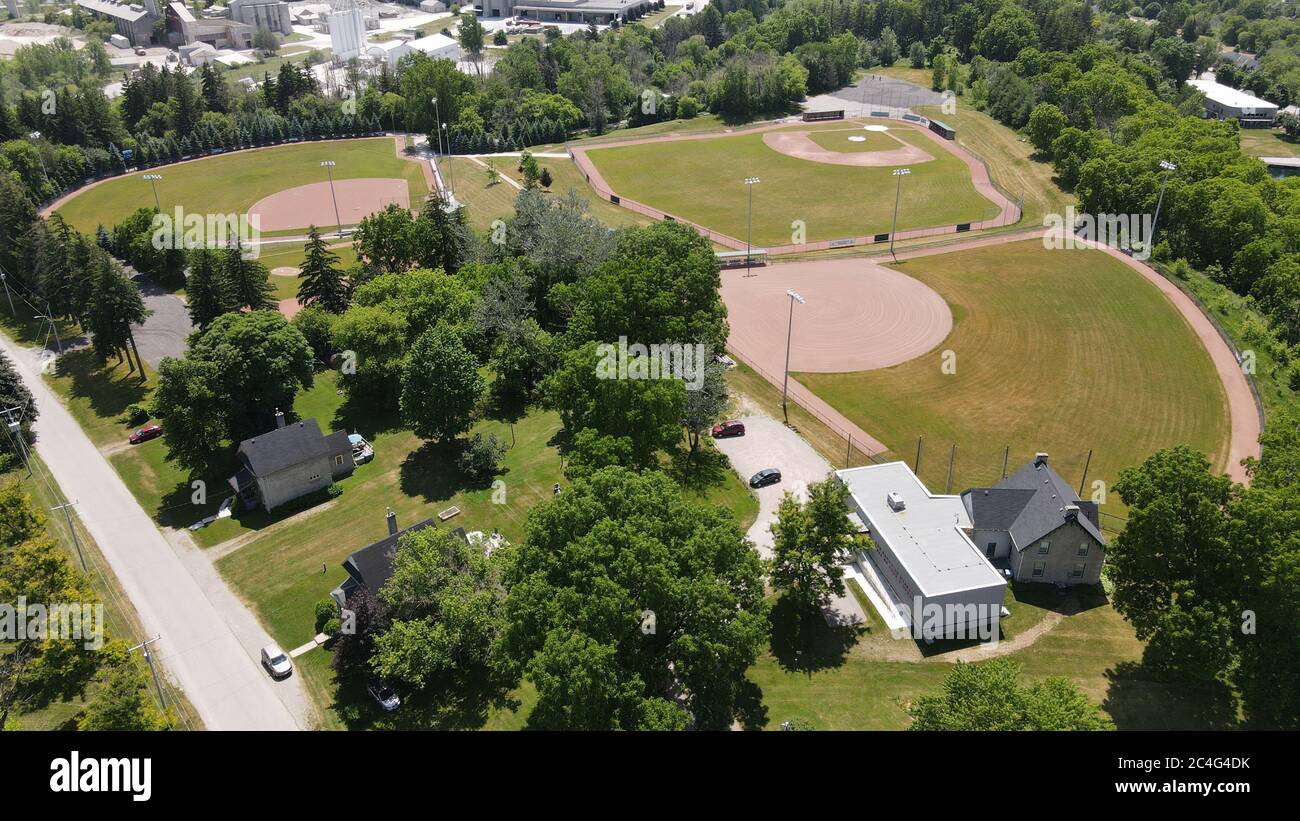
pixel 723 430
pixel 383 694
pixel 276 661
pixel 765 477
pixel 146 433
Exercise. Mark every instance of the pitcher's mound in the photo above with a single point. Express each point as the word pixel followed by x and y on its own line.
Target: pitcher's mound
pixel 313 205
pixel 858 316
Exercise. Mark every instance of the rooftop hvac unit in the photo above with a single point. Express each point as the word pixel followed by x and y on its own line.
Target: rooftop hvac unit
pixel 895 501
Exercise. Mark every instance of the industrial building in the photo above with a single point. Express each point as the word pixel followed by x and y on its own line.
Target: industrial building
pixel 134 21
pixel 1225 102
pixel 265 14
pixel 600 12
pixel 924 563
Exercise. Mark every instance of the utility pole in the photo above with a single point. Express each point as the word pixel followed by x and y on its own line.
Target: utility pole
pixel 1006 454
pixel 73 530
pixel 15 429
pixel 899 173
pixel 1086 464
pixel 916 465
pixel 785 384
pixel 4 280
pixel 144 646
pixel 328 165
pixel 54 327
pixel 750 182
pixel 951 456
pixel 153 178
pixel 36 135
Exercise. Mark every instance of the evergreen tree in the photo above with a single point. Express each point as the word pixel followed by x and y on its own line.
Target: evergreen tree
pixel 247 282
pixel 322 280
pixel 205 287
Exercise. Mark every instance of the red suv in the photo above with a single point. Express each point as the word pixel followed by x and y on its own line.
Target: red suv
pixel 724 429
pixel 145 434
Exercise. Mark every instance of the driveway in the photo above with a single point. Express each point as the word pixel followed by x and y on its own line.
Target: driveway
pixel 768 443
pixel 165 330
pixel 209 640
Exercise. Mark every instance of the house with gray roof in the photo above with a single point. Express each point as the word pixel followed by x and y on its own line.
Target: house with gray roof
pixel 1036 524
pixel 290 462
pixel 371 567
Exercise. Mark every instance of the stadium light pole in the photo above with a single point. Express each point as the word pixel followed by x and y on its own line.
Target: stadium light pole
pixel 153 178
pixel 36 135
pixel 899 173
pixel 451 175
pixel 750 182
pixel 1169 169
pixel 437 125
pixel 785 383
pixel 328 165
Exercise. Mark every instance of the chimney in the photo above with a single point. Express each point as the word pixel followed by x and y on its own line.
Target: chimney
pixel 279 418
pixel 392 522
pixel 1072 513
pixel 1040 459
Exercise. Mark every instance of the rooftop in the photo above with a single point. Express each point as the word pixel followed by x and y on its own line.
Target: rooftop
pixel 1029 504
pixel 927 535
pixel 1229 96
pixel 287 446
pixel 121 11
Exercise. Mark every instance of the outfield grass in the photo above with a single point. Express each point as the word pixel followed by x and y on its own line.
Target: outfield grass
pixel 231 183
pixel 1057 351
pixel 702 181
pixel 486 202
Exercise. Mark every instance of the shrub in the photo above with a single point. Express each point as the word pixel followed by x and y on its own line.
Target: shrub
pixel 481 457
pixel 137 415
pixel 332 627
pixel 326 610
pixel 687 108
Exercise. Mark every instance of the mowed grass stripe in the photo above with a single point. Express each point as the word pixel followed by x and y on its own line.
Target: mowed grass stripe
pixel 703 181
pixel 231 183
pixel 1059 351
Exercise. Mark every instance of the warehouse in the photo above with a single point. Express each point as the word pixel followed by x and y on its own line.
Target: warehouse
pixel 1225 102
pixel 941 583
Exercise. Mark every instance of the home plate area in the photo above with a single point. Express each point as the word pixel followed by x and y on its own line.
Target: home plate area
pixel 856 316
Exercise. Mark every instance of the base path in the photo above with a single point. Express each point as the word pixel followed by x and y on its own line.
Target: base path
pixel 313 204
pixel 209 642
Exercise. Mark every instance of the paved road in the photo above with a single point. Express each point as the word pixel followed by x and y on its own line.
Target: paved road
pixel 209 642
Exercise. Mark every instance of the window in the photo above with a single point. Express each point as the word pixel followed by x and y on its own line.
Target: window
pixel 1083 549
pixel 338 460
pixel 1078 570
pixel 1043 547
pixel 1040 568
pixel 988 551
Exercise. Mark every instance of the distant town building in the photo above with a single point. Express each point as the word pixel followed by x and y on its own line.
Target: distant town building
pixel 134 21
pixel 600 12
pixel 267 14
pixel 1225 102
pixel 184 29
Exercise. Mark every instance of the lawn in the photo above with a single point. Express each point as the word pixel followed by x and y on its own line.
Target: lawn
pixel 1057 351
pixel 230 183
pixel 702 181
pixel 838 140
pixel 1268 142
pixel 863 680
pixel 486 202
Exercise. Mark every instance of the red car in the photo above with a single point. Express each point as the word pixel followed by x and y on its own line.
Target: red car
pixel 145 434
pixel 723 430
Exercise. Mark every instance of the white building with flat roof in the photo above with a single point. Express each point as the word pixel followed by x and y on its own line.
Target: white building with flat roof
pixel 1224 102
pixel 923 557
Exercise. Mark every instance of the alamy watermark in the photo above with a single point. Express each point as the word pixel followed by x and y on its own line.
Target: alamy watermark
pixel 667 360
pixel 69 621
pixel 931 621
pixel 190 231
pixel 1130 233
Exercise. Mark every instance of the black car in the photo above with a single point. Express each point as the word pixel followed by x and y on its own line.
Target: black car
pixel 765 477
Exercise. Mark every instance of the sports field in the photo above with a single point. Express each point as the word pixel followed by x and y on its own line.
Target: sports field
pixel 231 183
pixel 702 180
pixel 1057 351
